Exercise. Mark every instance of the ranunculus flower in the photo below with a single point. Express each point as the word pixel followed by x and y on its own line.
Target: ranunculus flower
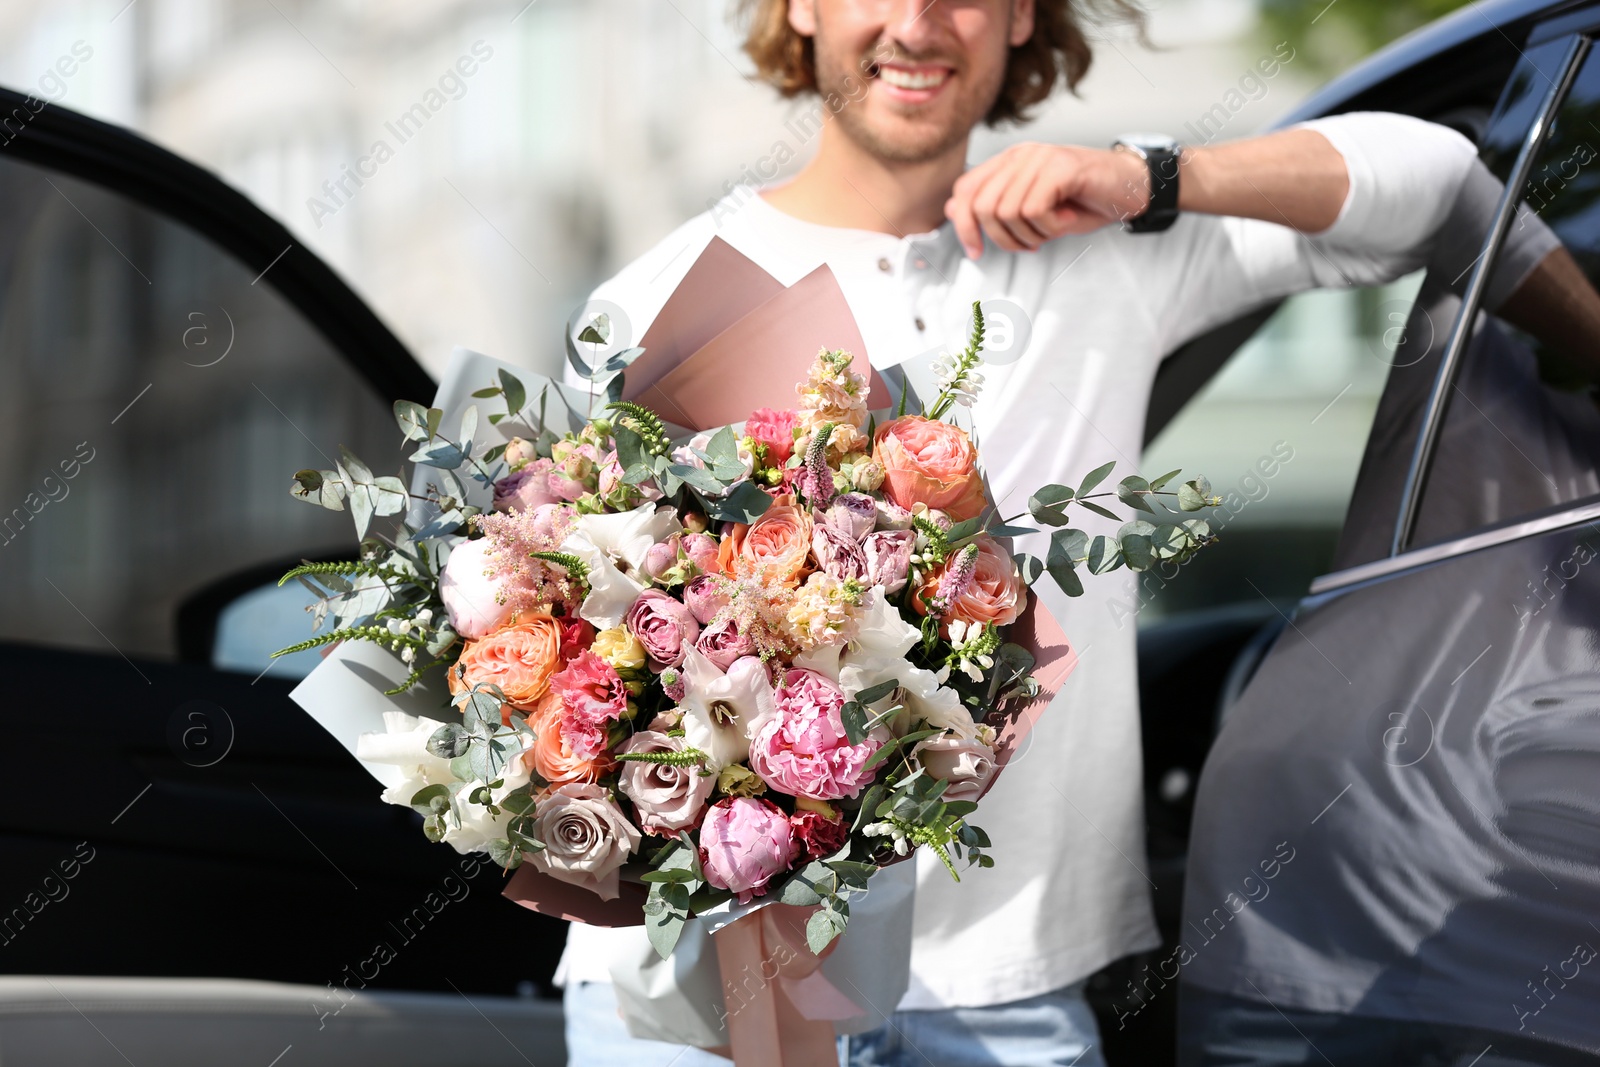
pixel 837 554
pixel 593 695
pixel 775 429
pixel 525 489
pixel 852 514
pixel 668 798
pixel 744 844
pixel 996 593
pixel 703 596
pixel 966 763
pixel 802 750
pixel 472 599
pixel 618 647
pixel 586 838
pixel 723 643
pixel 776 545
pixel 818 834
pixel 551 753
pixel 930 462
pixel 519 659
pixel 721 710
pixel 663 626
pixel 887 555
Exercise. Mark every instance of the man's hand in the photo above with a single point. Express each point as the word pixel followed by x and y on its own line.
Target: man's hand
pixel 1033 193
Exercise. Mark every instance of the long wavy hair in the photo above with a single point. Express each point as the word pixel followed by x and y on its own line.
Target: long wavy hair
pixel 1058 50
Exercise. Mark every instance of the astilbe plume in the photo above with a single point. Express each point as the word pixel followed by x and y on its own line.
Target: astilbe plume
pixel 527 584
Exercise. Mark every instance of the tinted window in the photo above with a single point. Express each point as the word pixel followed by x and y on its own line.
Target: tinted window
pixel 1521 432
pixel 158 397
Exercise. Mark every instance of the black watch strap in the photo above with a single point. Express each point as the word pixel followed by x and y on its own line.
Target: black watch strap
pixel 1162 211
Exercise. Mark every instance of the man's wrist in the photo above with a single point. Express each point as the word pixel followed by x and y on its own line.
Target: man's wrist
pixel 1160 157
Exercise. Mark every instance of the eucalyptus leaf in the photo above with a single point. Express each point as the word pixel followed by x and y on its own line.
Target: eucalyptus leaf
pixel 1131 491
pixel 448 741
pixel 1048 505
pixel 413 419
pixel 516 395
pixel 1094 478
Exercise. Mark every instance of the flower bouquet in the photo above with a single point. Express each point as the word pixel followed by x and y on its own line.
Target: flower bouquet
pixel 687 673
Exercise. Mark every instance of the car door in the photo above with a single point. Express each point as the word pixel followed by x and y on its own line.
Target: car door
pixel 1396 832
pixel 169 357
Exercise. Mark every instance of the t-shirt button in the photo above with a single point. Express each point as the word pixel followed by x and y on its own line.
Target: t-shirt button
pixel 921 325
pixel 883 265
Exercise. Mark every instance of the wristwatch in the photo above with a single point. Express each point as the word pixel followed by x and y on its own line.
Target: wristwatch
pixel 1161 154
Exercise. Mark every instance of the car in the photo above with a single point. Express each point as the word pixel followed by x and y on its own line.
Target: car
pixel 200 863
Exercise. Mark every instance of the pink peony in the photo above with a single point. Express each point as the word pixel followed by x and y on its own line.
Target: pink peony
pixel 888 558
pixel 661 557
pixel 663 626
pixel 744 844
pixel 704 598
pixel 526 489
pixel 801 749
pixel 775 429
pixel 723 643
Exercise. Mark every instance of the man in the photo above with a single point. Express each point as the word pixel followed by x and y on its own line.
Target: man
pixel 914 237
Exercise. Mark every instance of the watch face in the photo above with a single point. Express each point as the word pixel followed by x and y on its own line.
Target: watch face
pixel 1148 142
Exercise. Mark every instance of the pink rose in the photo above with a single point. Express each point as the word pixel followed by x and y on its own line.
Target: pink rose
pixel 663 626
pixel 775 429
pixel 592 695
pixel 995 592
pixel 526 489
pixel 744 844
pixel 801 749
pixel 723 643
pixel 668 798
pixel 704 598
pixel 472 599
pixel 888 558
pixel 586 838
pixel 852 514
pixel 836 553
pixel 966 764
pixel 927 461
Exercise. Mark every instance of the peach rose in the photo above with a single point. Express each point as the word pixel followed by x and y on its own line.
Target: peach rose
pixel 996 593
pixel 519 659
pixel 552 758
pixel 777 544
pixel 929 462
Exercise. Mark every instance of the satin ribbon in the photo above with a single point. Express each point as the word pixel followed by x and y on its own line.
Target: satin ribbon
pixel 780 1007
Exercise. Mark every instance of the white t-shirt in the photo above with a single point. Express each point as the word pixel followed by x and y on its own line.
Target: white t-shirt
pixel 1068 892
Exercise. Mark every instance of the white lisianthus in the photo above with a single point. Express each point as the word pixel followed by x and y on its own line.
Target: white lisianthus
pixel 403 744
pixel 924 702
pixel 470 827
pixel 721 712
pixel 613 548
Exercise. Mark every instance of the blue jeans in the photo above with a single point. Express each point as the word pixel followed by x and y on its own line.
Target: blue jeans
pixel 1056 1029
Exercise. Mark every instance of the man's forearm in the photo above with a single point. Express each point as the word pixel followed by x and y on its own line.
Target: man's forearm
pixel 1295 178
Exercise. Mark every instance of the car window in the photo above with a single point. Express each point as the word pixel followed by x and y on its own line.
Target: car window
pixel 1279 433
pixel 158 397
pixel 1521 428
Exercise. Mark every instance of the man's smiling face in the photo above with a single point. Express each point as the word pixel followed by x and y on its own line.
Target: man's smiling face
pixel 932 68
